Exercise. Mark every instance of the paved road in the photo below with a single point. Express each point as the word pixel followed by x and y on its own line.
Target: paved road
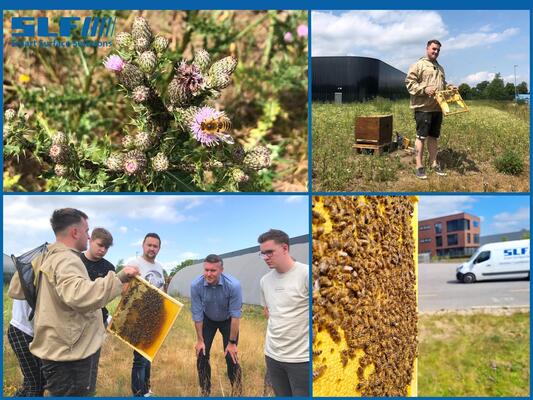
pixel 439 290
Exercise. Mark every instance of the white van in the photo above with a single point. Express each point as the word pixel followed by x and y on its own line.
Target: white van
pixel 503 260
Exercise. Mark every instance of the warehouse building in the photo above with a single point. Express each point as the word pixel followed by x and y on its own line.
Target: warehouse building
pixel 454 235
pixel 349 79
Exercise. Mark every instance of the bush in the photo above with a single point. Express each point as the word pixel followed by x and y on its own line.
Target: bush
pixel 509 163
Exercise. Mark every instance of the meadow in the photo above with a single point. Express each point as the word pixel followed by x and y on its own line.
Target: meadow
pixel 174 367
pixel 483 150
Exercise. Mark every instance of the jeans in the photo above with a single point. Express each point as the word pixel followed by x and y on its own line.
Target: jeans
pixel 288 379
pixel 209 329
pixel 140 375
pixel 71 378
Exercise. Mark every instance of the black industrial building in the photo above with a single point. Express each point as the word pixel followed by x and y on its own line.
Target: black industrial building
pixel 347 79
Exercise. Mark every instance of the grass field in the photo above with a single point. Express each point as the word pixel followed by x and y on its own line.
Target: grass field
pixel 474 355
pixel 174 368
pixel 469 146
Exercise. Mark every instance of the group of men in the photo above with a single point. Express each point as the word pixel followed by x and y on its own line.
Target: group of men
pixel 59 349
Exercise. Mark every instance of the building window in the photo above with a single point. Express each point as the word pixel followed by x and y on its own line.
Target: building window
pixel 453 239
pixel 476 224
pixel 468 238
pixel 424 228
pixel 457 225
pixel 438 227
pixel 426 240
pixel 438 241
pixel 467 221
pixel 476 238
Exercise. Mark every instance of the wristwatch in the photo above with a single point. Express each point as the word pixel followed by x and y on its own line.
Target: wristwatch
pixel 233 341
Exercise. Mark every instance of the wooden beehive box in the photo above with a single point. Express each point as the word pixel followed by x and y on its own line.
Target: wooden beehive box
pixel 373 130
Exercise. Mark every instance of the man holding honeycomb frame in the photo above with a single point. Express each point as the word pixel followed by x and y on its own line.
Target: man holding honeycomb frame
pixel 424 79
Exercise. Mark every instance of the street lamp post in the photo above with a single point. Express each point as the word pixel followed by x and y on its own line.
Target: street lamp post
pixel 515 88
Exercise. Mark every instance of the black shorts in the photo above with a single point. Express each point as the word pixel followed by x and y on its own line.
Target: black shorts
pixel 428 124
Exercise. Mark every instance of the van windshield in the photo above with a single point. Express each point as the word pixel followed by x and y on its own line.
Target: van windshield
pixel 474 255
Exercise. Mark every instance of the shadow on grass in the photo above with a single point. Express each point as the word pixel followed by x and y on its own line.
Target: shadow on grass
pixel 457 160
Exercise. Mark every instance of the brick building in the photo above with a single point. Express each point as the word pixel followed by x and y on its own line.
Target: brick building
pixel 451 235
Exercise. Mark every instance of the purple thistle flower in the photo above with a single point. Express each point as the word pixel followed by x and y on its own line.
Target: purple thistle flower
pixel 206 127
pixel 189 77
pixel 301 31
pixel 114 63
pixel 288 37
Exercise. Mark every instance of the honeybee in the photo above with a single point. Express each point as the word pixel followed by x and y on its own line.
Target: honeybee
pixel 219 127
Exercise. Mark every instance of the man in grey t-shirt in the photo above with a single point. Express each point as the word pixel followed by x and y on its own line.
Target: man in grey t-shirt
pixel 152 271
pixel 285 297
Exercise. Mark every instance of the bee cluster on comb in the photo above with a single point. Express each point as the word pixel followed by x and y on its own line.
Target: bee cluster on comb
pixel 364 292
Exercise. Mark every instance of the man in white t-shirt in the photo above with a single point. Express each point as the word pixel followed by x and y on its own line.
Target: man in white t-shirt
pixel 285 298
pixel 152 271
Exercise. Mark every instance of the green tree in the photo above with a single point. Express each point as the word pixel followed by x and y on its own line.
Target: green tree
pixel 509 90
pixel 504 239
pixel 481 89
pixel 179 267
pixel 465 90
pixel 526 235
pixel 119 266
pixel 496 89
pixel 522 88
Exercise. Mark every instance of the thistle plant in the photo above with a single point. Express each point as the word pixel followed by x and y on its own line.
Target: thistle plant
pixel 177 134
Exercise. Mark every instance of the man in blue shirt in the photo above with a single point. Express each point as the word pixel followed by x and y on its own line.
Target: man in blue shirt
pixel 216 302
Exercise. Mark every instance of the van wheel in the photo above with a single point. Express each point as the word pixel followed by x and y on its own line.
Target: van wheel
pixel 469 278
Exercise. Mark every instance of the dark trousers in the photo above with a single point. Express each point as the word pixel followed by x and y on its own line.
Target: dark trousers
pixel 140 375
pixel 30 366
pixel 288 379
pixel 71 378
pixel 209 329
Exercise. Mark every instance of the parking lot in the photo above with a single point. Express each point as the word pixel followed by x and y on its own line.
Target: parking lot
pixel 439 290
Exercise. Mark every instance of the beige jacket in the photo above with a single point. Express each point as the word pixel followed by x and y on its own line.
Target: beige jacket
pixel 68 321
pixel 422 74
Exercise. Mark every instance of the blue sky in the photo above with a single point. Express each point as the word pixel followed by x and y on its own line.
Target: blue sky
pixel 189 226
pixel 475 44
pixel 499 213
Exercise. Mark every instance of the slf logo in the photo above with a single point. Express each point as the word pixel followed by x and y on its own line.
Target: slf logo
pixel 516 252
pixel 48 31
pixel 26 26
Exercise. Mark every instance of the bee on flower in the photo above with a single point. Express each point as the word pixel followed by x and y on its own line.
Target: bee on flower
pixel 211 127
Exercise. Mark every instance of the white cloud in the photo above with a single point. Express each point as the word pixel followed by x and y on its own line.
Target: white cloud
pixel 396 37
pixel 123 229
pixel 295 199
pixel 478 39
pixel 437 206
pixel 510 221
pixel 477 77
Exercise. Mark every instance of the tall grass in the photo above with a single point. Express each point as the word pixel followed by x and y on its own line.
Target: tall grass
pixel 174 368
pixel 468 147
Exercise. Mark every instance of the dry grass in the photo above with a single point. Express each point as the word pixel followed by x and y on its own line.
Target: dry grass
pixel 174 368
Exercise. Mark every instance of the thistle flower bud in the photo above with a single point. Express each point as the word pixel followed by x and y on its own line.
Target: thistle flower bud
pixel 114 63
pixel 189 77
pixel 128 142
pixel 178 94
pixel 219 81
pixel 237 153
pixel 131 76
pixel 134 162
pixel 147 61
pixel 141 30
pixel 61 170
pixel 141 44
pixel 124 41
pixel 60 153
pixel 187 167
pixel 60 138
pixel 140 94
pixel 160 44
pixel 160 162
pixel 115 161
pixel 143 141
pixel 257 158
pixel 225 66
pixel 202 58
pixel 213 164
pixel 238 175
pixel 10 115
